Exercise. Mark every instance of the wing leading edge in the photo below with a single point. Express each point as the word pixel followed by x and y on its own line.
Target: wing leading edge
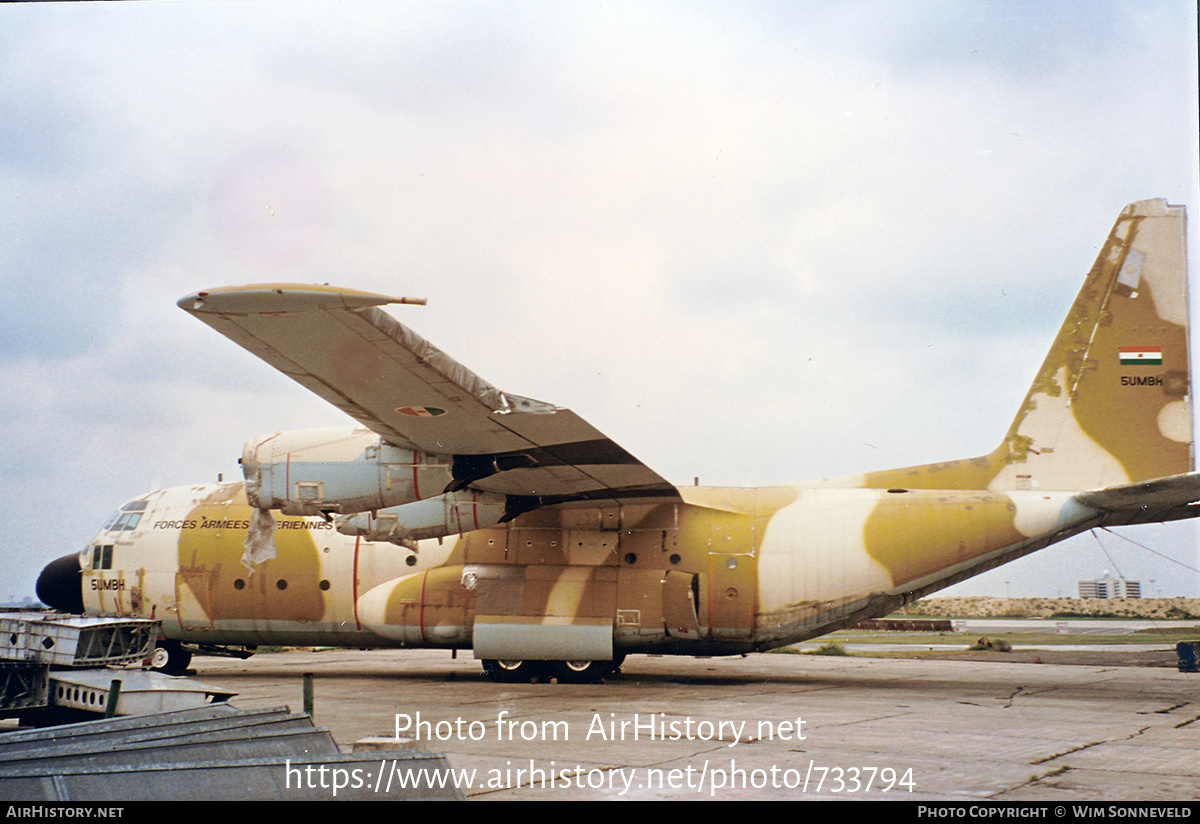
pixel 340 345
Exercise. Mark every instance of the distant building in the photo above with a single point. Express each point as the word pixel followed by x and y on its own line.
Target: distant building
pixel 1109 586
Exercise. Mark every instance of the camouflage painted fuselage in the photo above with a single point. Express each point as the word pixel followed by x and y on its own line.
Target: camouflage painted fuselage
pixel 177 556
pixel 726 570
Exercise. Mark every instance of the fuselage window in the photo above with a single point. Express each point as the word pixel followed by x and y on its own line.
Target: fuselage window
pixel 102 556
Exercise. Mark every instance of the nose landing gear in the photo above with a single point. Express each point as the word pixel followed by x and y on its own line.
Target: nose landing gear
pixel 170 658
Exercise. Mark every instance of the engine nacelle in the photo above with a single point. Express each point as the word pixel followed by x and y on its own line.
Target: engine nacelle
pixel 448 514
pixel 342 470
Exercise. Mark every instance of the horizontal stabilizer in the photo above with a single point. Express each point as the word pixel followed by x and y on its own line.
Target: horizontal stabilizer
pixel 1163 499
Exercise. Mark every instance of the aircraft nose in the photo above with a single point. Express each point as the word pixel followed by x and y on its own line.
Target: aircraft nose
pixel 61 584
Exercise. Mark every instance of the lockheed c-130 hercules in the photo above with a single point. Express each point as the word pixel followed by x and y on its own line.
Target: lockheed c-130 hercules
pixel 463 517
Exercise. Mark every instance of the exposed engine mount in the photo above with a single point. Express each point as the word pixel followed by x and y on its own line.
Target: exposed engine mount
pixel 341 470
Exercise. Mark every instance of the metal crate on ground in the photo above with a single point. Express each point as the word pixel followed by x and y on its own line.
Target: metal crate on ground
pixel 75 641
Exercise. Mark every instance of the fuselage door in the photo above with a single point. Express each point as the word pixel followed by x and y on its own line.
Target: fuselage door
pixel 732 576
pixel 104 587
pixel 681 605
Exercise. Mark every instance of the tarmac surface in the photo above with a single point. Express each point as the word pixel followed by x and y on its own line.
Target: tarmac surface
pixel 766 726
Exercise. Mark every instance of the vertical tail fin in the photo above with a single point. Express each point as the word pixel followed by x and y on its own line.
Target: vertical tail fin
pixel 1111 404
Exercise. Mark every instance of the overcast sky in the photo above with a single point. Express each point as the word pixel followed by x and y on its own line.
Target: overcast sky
pixel 756 243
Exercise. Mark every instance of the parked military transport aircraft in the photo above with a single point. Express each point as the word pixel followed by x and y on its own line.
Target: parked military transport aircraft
pixel 567 552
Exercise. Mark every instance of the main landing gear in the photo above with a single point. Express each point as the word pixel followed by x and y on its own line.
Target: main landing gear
pixel 566 672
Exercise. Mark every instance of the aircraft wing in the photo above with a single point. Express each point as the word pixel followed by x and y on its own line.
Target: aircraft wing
pixel 1147 502
pixel 339 344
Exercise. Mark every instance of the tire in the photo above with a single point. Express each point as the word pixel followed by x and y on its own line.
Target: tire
pixel 170 658
pixel 580 672
pixel 514 672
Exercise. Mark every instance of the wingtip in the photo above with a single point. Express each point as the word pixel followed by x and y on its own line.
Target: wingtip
pixel 284 297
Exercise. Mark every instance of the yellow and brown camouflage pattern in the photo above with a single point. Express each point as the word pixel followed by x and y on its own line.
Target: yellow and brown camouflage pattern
pixel 713 570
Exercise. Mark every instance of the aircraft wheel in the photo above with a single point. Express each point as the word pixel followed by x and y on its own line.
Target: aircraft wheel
pixel 170 658
pixel 581 672
pixel 513 672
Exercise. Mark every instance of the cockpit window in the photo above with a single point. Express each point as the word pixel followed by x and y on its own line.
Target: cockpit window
pixel 125 519
pixel 102 557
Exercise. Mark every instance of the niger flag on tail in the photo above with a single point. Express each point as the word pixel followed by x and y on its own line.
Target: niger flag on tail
pixel 1141 355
